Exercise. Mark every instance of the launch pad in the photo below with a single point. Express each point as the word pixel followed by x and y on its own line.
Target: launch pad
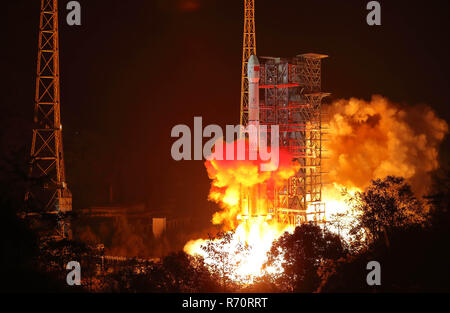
pixel 286 92
pixel 289 94
pixel 291 97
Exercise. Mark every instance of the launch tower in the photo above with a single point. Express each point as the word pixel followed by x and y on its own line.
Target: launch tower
pixel 48 192
pixel 291 97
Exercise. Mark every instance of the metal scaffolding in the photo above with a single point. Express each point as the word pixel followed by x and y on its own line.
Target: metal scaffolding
pixel 248 49
pixel 48 192
pixel 291 98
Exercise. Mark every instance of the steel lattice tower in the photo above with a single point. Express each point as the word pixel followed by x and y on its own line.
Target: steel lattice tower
pixel 249 48
pixel 291 98
pixel 48 192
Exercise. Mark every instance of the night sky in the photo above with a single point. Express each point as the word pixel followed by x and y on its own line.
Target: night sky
pixel 134 69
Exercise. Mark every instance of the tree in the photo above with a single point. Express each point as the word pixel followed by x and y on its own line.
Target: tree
pixel 301 254
pixel 386 204
pixel 19 243
pixel 187 274
pixel 439 199
pixel 224 255
pixel 411 250
pixel 177 272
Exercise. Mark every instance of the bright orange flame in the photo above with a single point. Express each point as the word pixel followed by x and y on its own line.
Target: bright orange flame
pixel 366 141
pixel 373 139
pixel 239 188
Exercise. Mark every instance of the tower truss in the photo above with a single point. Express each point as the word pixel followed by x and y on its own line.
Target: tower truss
pixel 249 48
pixel 48 192
pixel 291 98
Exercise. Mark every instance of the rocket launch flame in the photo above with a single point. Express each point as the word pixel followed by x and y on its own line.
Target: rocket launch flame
pixel 373 139
pixel 258 230
pixel 367 140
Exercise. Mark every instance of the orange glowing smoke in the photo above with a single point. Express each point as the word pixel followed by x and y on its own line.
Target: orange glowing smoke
pixel 365 140
pixel 188 5
pixel 373 139
pixel 231 179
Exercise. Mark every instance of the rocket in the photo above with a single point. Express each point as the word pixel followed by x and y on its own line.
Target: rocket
pixel 253 104
pixel 253 193
pixel 253 90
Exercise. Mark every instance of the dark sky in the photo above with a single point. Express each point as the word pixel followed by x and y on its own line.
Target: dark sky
pixel 136 68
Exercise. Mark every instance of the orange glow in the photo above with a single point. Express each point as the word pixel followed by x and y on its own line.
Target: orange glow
pixel 234 186
pixel 373 139
pixel 188 5
pixel 365 141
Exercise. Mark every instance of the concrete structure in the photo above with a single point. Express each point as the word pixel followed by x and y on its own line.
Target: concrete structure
pixel 159 225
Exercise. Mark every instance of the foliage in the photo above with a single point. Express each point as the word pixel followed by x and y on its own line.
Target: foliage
pixel 302 254
pixel 225 255
pixel 177 272
pixel 385 205
pixel 415 258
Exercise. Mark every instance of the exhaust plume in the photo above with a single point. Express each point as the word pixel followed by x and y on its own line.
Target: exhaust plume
pixel 376 138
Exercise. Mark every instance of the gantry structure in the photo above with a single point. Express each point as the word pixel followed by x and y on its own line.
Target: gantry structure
pixel 248 49
pixel 291 98
pixel 48 191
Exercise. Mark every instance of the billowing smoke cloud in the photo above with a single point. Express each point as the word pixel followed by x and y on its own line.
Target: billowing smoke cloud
pixel 368 140
pixel 231 177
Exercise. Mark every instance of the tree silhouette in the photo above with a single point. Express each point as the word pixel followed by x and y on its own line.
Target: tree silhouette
pixel 224 256
pixel 177 272
pixel 386 204
pixel 409 245
pixel 301 255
